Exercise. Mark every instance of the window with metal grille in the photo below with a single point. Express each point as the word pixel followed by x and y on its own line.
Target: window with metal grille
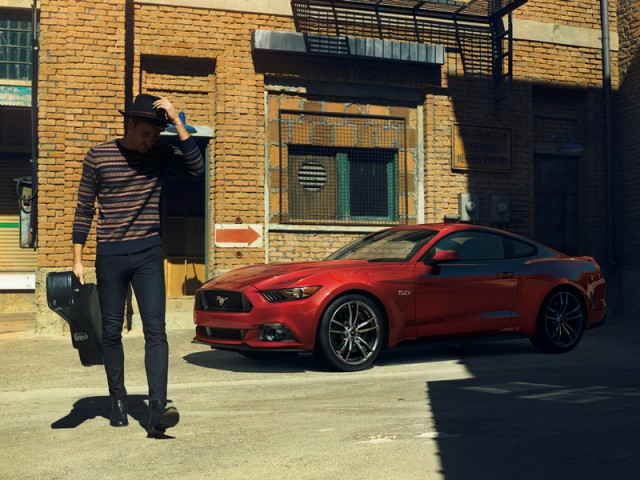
pixel 16 41
pixel 342 169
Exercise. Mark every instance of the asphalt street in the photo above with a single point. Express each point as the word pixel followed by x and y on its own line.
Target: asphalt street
pixel 496 410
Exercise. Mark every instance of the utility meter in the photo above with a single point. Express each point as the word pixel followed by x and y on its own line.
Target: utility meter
pixel 499 209
pixel 468 207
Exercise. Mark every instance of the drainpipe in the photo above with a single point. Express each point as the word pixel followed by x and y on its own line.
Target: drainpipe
pixel 33 224
pixel 606 90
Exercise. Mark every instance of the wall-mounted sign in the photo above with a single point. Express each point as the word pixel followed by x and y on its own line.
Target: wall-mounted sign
pixel 238 235
pixel 478 147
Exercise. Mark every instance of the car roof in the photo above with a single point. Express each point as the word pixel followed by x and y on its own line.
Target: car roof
pixel 452 227
pixel 457 227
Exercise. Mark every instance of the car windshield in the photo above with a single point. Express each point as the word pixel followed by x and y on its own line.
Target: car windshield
pixel 385 246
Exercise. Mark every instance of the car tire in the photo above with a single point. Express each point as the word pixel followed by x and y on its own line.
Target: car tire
pixel 561 322
pixel 350 333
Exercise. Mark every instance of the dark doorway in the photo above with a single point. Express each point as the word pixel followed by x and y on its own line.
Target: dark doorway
pixel 184 229
pixel 556 202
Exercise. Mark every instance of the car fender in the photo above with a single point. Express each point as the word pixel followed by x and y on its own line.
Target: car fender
pixel 394 312
pixel 537 288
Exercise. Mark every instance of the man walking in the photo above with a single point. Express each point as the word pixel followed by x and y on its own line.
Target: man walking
pixel 125 176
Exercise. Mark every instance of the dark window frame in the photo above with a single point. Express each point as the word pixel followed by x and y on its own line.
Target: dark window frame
pixel 16 45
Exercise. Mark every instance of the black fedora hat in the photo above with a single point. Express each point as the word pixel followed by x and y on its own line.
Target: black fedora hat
pixel 143 108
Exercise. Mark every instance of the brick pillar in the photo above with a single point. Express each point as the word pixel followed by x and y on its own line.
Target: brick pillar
pixel 81 88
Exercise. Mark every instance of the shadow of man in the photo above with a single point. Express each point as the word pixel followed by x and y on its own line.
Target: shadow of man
pixel 92 407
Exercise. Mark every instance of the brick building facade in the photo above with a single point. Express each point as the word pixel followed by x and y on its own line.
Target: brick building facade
pixel 277 123
pixel 17 258
pixel 626 153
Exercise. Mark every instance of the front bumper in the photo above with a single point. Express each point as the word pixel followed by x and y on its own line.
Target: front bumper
pixel 277 326
pixel 244 347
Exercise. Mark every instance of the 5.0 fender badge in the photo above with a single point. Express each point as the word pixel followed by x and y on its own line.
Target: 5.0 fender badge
pixel 404 293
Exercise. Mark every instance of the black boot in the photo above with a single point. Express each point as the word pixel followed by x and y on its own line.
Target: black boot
pixel 161 417
pixel 119 413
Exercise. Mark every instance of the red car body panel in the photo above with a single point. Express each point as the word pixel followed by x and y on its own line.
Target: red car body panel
pixel 417 299
pixel 302 316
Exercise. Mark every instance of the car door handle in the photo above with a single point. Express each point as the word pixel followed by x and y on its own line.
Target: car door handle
pixel 504 275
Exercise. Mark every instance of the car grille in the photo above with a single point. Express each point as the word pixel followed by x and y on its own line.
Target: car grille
pixel 221 333
pixel 222 301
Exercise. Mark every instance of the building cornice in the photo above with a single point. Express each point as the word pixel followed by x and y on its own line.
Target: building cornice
pixel 271 7
pixel 557 34
pixel 21 4
pixel 526 30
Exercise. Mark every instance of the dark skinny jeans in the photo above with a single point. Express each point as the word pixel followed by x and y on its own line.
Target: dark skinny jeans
pixel 145 272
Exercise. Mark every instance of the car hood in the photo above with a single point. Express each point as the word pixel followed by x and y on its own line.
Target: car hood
pixel 276 274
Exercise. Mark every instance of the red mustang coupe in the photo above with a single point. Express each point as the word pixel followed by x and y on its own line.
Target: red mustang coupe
pixel 400 284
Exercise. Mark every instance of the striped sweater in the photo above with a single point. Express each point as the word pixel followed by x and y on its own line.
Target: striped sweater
pixel 127 185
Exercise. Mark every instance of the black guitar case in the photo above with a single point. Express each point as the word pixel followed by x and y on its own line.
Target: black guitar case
pixel 78 305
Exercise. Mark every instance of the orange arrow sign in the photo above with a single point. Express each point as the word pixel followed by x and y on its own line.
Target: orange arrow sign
pixel 238 235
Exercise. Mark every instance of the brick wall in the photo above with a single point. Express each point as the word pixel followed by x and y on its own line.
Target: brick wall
pixel 585 13
pixel 627 146
pixel 97 55
pixel 626 155
pixel 81 86
pixel 309 245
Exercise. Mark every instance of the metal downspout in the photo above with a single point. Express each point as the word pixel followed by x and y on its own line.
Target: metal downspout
pixel 606 90
pixel 34 126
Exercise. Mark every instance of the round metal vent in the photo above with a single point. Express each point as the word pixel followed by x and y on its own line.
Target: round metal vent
pixel 312 176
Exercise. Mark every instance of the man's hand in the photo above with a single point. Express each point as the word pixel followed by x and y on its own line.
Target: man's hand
pixel 78 271
pixel 167 106
pixel 78 268
pixel 172 116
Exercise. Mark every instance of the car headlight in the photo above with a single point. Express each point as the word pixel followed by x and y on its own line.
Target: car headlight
pixel 287 294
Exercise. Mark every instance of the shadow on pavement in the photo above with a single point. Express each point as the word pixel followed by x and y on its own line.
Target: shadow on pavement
pixel 531 416
pixel 283 362
pixel 93 407
pixel 267 363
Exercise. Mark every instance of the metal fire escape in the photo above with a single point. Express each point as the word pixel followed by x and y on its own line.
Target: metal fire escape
pixel 502 56
pixel 476 29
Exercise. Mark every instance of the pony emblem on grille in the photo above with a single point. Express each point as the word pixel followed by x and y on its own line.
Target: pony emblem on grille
pixel 221 300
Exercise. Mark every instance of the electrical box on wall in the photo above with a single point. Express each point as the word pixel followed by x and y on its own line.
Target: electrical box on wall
pixel 499 209
pixel 24 188
pixel 468 207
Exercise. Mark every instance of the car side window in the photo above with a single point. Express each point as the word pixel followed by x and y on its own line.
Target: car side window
pixel 519 249
pixel 471 245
